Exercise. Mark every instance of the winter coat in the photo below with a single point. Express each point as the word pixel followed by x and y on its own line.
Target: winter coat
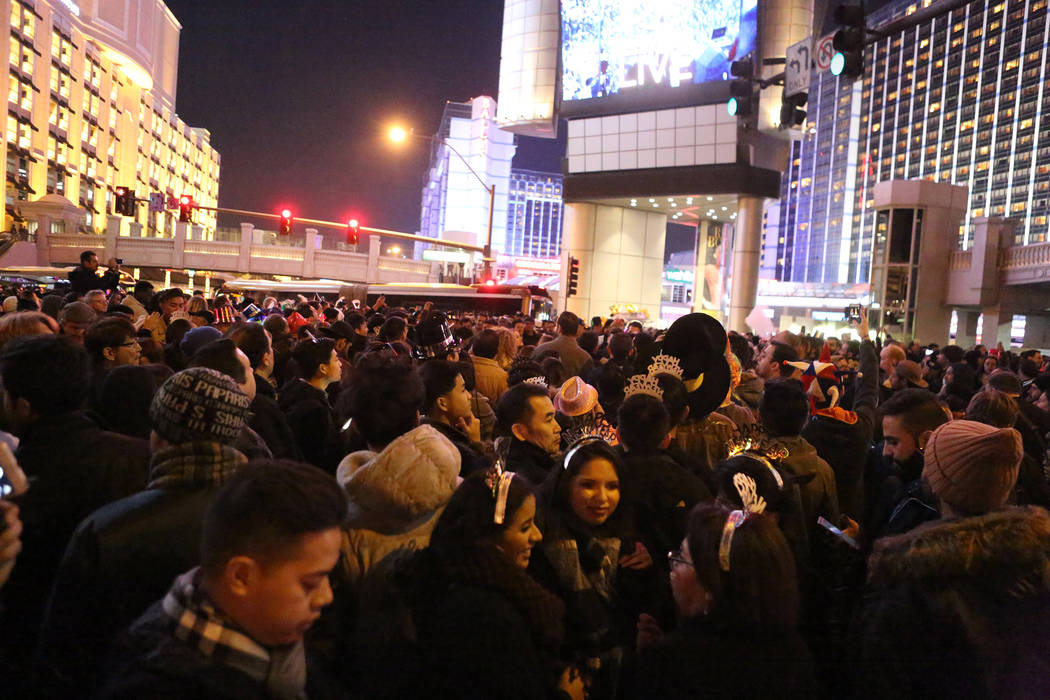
pixel 82 280
pixel 489 378
pixel 153 663
pixel 268 420
pixel 961 608
pixel 124 556
pixel 528 461
pixel 818 494
pixel 74 468
pixel 396 496
pixel 750 389
pixel 705 660
pixel 661 494
pixel 842 438
pixel 576 361
pixel 471 454
pixel 310 418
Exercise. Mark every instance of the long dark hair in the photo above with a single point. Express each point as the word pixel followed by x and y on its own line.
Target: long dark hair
pixel 467 520
pixel 557 515
pixel 760 590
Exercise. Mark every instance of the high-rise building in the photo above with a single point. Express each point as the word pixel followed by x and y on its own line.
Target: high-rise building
pixel 455 200
pixel 958 98
pixel 91 107
pixel 534 214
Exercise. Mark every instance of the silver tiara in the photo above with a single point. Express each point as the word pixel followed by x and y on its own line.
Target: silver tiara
pixel 665 364
pixel 538 381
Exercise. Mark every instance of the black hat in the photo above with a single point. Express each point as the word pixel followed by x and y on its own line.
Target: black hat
pixel 434 339
pixel 699 342
pixel 340 330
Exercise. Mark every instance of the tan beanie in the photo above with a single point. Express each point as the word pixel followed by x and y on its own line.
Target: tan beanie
pixel 972 466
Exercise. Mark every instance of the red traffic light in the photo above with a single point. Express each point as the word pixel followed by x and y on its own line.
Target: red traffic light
pixel 185 200
pixel 286 222
pixel 186 208
pixel 286 213
pixel 490 282
pixel 120 191
pixel 352 232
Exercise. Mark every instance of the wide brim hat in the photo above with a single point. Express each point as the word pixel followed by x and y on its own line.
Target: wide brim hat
pixel 699 342
pixel 575 397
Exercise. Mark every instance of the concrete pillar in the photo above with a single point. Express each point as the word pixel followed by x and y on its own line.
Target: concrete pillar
pixel 702 244
pixel 112 237
pixel 374 244
pixel 1037 332
pixel 995 328
pixel 313 242
pixel 179 247
pixel 747 256
pixel 135 229
pixel 244 255
pixel 621 254
pixel 966 331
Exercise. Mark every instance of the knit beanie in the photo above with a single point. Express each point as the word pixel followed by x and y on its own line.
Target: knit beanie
pixel 199 404
pixel 972 466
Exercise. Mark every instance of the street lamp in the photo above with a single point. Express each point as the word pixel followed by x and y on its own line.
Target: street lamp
pixel 400 135
pixel 393 250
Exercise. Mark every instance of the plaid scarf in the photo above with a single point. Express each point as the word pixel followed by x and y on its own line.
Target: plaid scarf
pixel 200 625
pixel 193 464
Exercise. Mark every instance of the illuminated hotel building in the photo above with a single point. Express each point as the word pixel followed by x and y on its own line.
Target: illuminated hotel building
pixel 91 106
pixel 959 98
pixel 534 214
pixel 455 203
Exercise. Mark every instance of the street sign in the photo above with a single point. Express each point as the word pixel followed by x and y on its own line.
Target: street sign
pixel 156 201
pixel 824 51
pixel 796 69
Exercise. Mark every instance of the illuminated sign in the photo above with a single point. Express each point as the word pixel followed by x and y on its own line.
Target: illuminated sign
pixel 551 265
pixel 452 256
pixel 683 276
pixel 619 48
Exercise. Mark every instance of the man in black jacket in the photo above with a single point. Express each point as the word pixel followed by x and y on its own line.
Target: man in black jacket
pixel 233 626
pixel 267 419
pixel 124 556
pixel 447 408
pixel 527 418
pixel 84 277
pixel 73 466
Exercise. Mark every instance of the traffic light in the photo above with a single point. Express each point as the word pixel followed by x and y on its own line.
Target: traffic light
pixel 186 208
pixel 741 91
pixel 848 42
pixel 574 277
pixel 285 228
pixel 353 233
pixel 791 112
pixel 124 201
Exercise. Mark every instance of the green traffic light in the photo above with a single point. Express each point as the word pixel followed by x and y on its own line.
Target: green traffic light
pixel 838 63
pixel 732 106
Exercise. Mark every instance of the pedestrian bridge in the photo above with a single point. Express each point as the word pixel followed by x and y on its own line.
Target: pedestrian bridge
pixel 246 251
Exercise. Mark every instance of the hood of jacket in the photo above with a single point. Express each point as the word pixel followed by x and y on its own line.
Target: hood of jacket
pixel 409 480
pixel 1007 552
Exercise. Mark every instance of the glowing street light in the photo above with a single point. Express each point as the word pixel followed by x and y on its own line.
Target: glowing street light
pixel 393 250
pixel 399 135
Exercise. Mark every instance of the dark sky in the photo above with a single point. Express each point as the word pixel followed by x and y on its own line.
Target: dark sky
pixel 297 97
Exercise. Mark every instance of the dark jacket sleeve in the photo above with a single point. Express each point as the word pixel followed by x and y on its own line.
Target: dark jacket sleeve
pixel 272 426
pixel 867 397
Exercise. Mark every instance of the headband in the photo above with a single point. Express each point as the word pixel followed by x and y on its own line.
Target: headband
pixel 582 442
pixel 753 503
pixel 499 481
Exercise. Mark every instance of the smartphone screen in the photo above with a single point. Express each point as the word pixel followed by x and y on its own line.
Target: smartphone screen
pixel 824 523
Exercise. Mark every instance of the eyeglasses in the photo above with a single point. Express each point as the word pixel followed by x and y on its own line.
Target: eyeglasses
pixel 675 557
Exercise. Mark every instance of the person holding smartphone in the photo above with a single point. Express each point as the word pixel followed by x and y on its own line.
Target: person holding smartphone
pixel 13 484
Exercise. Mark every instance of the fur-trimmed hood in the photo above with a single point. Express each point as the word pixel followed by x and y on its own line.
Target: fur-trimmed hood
pixel 408 481
pixel 1008 551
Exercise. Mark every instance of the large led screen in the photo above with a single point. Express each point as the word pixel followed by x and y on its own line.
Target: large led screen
pixel 627 51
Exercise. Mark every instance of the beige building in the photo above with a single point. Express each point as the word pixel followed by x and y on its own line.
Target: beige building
pixel 91 106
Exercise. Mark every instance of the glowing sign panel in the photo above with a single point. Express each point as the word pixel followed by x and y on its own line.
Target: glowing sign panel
pixel 611 47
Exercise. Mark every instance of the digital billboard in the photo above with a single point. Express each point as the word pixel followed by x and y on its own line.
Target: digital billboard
pixel 637 53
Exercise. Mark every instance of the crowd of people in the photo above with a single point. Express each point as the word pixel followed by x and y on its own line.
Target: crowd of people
pixel 287 498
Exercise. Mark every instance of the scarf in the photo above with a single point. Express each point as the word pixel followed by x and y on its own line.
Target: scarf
pixel 193 465
pixel 486 567
pixel 202 626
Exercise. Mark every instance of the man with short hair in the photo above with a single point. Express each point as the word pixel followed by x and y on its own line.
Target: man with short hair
pixel 489 378
pixel 266 418
pixel 526 416
pixel 447 407
pixel 234 626
pixel 74 467
pixel 84 277
pixel 898 500
pixel 111 342
pixel 576 360
pixel 171 303
pixel 124 555
pixel 97 300
pixel 772 363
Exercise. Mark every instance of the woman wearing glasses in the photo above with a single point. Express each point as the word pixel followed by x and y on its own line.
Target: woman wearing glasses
pixel 736 596
pixel 593 560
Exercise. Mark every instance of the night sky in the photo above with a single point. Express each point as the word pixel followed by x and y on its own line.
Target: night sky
pixel 297 97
